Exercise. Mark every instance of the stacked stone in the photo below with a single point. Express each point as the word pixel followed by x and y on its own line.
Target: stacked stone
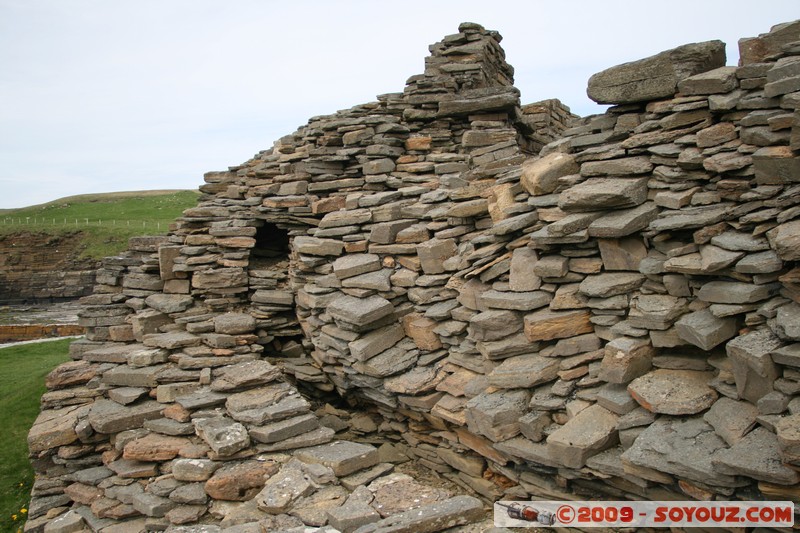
pixel 541 327
pixel 670 248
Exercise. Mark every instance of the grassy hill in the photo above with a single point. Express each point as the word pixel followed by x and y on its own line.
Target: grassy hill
pixel 105 221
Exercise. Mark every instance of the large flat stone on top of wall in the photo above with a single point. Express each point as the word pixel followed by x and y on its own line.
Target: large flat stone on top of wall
pixel 656 76
pixel 439 516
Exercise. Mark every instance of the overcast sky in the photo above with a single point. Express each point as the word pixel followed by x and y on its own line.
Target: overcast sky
pixel 114 95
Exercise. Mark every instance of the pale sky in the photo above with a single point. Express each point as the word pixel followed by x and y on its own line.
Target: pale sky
pixel 116 95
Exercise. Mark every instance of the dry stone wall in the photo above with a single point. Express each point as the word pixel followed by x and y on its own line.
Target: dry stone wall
pixel 530 304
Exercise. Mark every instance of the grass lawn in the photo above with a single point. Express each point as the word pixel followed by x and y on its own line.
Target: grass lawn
pixel 22 372
pixel 106 220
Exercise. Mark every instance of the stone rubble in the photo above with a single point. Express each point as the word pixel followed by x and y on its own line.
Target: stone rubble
pixel 528 303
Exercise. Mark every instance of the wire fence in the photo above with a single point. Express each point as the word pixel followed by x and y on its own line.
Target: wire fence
pixel 81 222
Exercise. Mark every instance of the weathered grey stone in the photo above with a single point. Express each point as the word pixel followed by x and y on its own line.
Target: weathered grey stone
pixel 169 303
pixel 56 427
pixel 684 447
pixel 517 301
pixel 787 322
pixel 360 311
pixel 616 399
pixel 496 414
pixel 433 253
pixel 757 455
pixel 106 416
pixel 223 435
pixel 785 240
pixel 752 365
pixel 245 375
pixel 655 311
pixel 284 429
pixel 656 76
pixel 355 264
pixel 611 284
pixel 439 516
pixel 604 193
pixel 315 246
pixel 522 276
pixel 731 419
pixel 524 371
pixel 540 176
pixel 376 342
pixel 493 325
pixel 760 263
pixel 705 330
pixel 593 430
pixel 69 522
pixel 623 222
pixel 271 297
pixel 283 489
pixel 152 505
pixel 193 469
pixel 378 280
pixel 617 167
pixel 717 81
pixel 732 292
pixel 351 516
pixel 674 392
pixel 626 358
pixel 342 457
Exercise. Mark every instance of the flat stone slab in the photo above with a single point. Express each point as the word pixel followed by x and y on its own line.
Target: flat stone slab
pixel 752 365
pixel 705 330
pixel 591 431
pixel 674 392
pixel 682 447
pixel 245 375
pixel 396 493
pixel 656 76
pixel 355 264
pixel 611 284
pixel 106 416
pixel 731 419
pixel 223 435
pixel 341 456
pixel 456 511
pixel 758 456
pixel 360 311
pixel 524 371
pixel 239 481
pixel 55 427
pixel 597 194
pixel 733 292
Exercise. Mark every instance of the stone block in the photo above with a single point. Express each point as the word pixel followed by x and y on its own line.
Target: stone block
pixel 656 76
pixel 596 194
pixel 591 431
pixel 223 435
pixel 421 330
pixel 360 311
pixel 547 325
pixel 705 330
pixel 375 342
pixel 717 81
pixel 752 365
pixel 342 457
pixel 433 253
pixel 625 359
pixel 522 276
pixel 674 392
pixel 540 176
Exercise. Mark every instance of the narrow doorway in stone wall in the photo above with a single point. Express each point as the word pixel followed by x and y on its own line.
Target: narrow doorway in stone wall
pixel 272 304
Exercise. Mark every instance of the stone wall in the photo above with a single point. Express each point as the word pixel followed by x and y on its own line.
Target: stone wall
pixel 530 304
pixel 36 267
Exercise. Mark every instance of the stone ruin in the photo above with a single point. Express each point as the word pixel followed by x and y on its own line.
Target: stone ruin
pixel 530 304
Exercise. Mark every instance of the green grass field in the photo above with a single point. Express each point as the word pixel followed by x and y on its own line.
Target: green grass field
pixel 106 220
pixel 22 372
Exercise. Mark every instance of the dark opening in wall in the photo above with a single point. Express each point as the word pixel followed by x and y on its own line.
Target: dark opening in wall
pixel 271 241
